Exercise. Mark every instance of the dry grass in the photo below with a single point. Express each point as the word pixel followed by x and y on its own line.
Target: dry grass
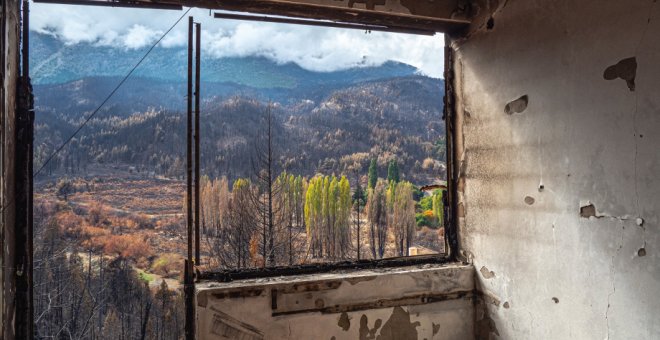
pixel 128 216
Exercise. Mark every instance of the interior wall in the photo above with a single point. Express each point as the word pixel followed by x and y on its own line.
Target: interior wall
pixel 558 104
pixel 9 53
pixel 408 303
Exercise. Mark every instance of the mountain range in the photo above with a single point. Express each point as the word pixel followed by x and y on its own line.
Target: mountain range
pixel 325 121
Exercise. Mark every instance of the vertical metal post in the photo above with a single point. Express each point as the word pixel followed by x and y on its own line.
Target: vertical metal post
pixel 358 195
pixel 189 288
pixel 189 150
pixel 198 33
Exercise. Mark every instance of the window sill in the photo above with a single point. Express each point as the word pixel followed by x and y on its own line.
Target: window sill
pixel 272 307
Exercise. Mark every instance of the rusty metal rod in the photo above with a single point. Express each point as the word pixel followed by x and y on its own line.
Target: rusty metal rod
pixel 189 143
pixel 30 162
pixel 126 4
pixel 198 33
pixel 318 23
pixel 189 288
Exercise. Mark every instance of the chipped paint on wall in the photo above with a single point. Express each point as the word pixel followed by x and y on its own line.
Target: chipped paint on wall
pixel 625 69
pixel 403 303
pixel 588 131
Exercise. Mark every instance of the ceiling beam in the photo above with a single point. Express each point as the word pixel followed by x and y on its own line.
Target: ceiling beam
pixel 318 23
pixel 311 9
pixel 115 3
pixel 400 15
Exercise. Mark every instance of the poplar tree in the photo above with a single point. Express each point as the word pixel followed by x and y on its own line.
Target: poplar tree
pixel 343 216
pixel 401 215
pixel 393 172
pixel 327 213
pixel 373 173
pixel 438 207
pixel 377 215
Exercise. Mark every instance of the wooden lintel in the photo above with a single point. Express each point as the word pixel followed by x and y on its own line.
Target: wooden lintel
pixel 309 10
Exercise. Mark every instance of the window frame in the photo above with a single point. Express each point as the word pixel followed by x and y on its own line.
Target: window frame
pixel 449 202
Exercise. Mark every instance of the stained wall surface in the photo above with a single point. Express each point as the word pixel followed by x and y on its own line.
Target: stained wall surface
pixel 559 110
pixel 427 302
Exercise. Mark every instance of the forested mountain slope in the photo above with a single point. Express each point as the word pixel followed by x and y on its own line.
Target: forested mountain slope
pixel 390 118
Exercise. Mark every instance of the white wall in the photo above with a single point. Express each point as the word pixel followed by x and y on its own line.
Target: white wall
pixel 586 140
pixel 426 302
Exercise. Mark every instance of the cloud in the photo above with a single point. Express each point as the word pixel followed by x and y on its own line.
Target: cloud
pixel 313 48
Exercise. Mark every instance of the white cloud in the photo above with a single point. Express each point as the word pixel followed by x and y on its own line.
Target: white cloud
pixel 313 48
pixel 140 36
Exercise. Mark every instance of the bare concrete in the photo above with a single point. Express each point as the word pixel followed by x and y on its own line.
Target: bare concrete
pixel 426 302
pixel 559 108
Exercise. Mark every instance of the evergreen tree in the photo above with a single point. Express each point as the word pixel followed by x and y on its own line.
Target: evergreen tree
pixel 393 172
pixel 373 173
pixel 358 200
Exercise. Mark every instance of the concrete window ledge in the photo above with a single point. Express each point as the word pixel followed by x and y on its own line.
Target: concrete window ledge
pixel 420 302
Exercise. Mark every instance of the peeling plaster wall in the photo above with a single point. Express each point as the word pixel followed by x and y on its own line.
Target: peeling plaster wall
pixel 9 51
pixel 428 302
pixel 559 106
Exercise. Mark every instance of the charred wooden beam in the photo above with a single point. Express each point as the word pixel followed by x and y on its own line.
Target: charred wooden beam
pixel 189 293
pixel 104 3
pixel 245 274
pixel 413 300
pixel 23 262
pixel 450 201
pixel 320 23
pixel 310 10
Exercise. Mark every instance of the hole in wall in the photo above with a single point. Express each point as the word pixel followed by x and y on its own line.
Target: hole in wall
pixel 487 274
pixel 588 211
pixel 517 106
pixel 641 252
pixel 491 23
pixel 555 300
pixel 529 200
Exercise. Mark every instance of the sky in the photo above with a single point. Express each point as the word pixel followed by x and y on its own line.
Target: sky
pixel 313 48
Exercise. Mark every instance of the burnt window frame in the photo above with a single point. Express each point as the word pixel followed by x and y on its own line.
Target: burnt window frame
pixel 449 202
pixel 449 223
pixel 23 318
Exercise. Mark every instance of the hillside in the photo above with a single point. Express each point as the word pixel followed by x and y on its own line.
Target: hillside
pixel 392 118
pixel 330 122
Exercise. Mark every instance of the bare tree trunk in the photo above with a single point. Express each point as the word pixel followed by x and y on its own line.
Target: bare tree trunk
pixel 146 320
